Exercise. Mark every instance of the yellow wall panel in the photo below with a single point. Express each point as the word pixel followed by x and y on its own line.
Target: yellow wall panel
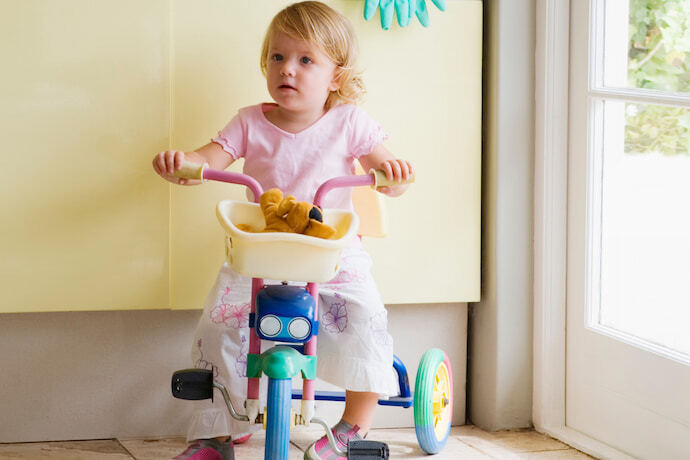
pixel 215 71
pixel 424 88
pixel 84 106
pixel 91 90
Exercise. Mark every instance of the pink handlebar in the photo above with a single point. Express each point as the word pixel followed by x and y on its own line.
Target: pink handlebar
pixel 374 178
pixel 235 178
pixel 341 182
pixel 196 171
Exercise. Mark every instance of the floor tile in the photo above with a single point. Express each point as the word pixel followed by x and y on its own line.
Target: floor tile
pixel 568 454
pixel 401 442
pixel 254 449
pixel 464 442
pixel 65 450
pixel 504 443
pixel 302 436
pixel 147 449
pixel 154 449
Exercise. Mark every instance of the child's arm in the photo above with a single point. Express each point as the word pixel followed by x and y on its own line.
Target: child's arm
pixel 165 163
pixel 381 158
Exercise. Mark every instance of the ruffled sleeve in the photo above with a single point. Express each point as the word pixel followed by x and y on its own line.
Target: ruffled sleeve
pixel 233 138
pixel 366 133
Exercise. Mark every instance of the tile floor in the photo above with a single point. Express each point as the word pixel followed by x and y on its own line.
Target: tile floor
pixel 465 442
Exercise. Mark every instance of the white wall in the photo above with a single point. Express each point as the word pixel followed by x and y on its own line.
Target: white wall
pixel 500 361
pixel 94 375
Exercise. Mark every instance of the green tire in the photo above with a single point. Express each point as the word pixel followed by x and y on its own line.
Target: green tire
pixel 433 401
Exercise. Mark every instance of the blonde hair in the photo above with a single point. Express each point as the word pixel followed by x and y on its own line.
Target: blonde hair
pixel 321 26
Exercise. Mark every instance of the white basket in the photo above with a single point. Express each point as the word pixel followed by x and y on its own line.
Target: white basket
pixel 283 256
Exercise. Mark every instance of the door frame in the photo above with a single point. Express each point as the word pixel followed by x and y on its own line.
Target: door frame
pixel 550 228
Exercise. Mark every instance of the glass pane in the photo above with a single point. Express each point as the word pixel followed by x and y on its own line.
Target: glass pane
pixel 645 223
pixel 655 52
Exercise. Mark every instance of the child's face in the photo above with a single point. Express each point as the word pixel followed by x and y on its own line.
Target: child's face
pixel 299 76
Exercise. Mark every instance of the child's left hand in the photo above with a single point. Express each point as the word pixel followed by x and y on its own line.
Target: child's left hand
pixel 398 170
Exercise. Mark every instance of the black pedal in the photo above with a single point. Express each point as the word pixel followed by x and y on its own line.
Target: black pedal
pixel 193 384
pixel 367 450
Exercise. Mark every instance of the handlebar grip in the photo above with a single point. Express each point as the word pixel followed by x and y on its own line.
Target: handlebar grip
pixel 380 179
pixel 191 171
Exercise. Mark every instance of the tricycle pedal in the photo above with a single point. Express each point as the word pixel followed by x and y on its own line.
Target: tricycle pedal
pixel 367 450
pixel 193 384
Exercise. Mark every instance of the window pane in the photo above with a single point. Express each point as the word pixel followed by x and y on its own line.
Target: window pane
pixel 645 223
pixel 655 52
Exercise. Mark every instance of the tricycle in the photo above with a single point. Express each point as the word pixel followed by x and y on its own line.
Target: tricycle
pixel 287 314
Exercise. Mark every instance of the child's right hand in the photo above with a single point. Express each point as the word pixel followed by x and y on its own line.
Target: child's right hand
pixel 211 154
pixel 165 164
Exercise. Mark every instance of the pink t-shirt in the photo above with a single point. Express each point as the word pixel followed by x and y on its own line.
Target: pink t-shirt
pixel 298 163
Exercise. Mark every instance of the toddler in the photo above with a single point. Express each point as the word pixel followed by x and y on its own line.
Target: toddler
pixel 311 133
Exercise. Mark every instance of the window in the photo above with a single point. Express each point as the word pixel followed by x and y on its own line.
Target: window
pixel 638 200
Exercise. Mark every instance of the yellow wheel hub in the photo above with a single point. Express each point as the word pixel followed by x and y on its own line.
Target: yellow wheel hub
pixel 440 402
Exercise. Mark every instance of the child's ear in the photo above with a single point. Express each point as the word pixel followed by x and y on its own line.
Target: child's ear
pixel 335 81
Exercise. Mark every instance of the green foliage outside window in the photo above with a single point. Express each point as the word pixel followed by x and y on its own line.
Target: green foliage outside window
pixel 658 59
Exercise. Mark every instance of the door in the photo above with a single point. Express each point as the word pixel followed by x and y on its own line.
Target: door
pixel 628 259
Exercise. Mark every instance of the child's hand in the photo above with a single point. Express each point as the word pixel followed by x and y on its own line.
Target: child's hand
pixel 398 170
pixel 165 164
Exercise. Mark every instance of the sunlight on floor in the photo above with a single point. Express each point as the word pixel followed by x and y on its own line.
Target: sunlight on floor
pixel 465 442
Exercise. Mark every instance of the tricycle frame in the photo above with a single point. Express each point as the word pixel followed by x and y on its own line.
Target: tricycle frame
pixel 280 388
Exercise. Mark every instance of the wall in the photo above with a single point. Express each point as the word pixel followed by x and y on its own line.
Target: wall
pixel 500 360
pixel 88 225
pixel 97 99
pixel 95 375
pixel 423 86
pixel 83 102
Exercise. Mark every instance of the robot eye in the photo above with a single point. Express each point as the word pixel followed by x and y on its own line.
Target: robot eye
pixel 270 325
pixel 299 328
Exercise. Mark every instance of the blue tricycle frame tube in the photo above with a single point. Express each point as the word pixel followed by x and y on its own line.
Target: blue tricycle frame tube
pixel 339 396
pixel 278 419
pixel 403 380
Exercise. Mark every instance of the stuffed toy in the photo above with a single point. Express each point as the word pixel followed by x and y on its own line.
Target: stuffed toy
pixel 286 214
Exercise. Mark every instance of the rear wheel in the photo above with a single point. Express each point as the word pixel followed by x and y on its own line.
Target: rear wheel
pixel 433 401
pixel 278 418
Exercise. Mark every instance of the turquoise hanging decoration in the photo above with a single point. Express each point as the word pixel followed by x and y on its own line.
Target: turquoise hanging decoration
pixel 404 9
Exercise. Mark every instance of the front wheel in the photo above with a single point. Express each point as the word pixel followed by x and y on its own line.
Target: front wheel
pixel 433 401
pixel 278 419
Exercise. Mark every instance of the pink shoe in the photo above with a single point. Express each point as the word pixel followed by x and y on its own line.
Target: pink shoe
pixel 241 440
pixel 208 449
pixel 322 450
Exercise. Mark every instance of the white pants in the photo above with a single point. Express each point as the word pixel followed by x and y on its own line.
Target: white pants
pixel 355 350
